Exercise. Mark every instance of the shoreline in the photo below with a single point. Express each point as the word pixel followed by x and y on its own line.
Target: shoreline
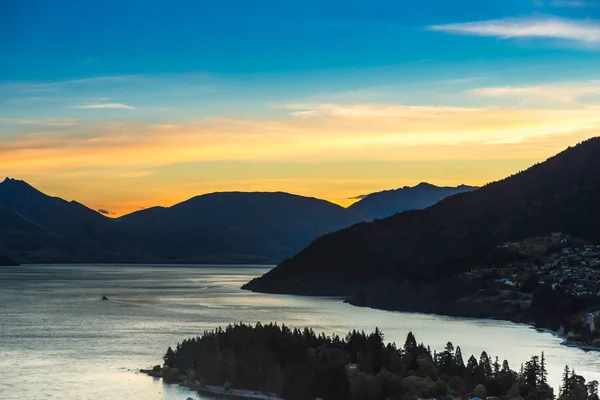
pixel 213 390
pixel 530 324
pixel 565 340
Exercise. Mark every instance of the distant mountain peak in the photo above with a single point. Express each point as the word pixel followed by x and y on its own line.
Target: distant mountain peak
pixel 425 185
pixel 389 202
pixel 11 181
pixel 18 185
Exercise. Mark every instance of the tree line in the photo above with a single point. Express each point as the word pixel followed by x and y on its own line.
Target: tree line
pixel 299 364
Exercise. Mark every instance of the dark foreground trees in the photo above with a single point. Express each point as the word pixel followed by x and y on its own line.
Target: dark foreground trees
pixel 574 387
pixel 299 365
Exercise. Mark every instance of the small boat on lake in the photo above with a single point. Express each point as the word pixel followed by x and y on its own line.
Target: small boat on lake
pixel 104 297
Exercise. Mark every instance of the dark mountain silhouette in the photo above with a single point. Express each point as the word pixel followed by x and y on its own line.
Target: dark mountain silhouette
pixel 13 226
pixel 14 222
pixel 53 213
pixel 389 202
pixel 18 233
pixel 35 227
pixel 559 195
pixel 214 228
pixel 234 226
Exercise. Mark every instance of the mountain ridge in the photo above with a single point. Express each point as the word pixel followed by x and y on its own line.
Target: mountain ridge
pixel 558 195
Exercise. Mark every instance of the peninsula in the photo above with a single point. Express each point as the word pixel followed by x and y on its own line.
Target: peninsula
pixel 274 362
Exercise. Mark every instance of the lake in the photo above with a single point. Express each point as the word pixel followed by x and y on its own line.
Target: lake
pixel 58 340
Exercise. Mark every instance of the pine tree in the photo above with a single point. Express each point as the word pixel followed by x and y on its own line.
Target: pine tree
pixel 531 372
pixel 170 358
pixel 566 384
pixel 450 348
pixel 458 358
pixel 505 367
pixel 592 389
pixel 496 366
pixel 577 387
pixel 410 346
pixel 446 361
pixel 472 365
pixel 522 372
pixel 543 372
pixel 535 366
pixel 375 351
pixel 485 364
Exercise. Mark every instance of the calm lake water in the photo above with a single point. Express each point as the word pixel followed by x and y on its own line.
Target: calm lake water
pixel 59 341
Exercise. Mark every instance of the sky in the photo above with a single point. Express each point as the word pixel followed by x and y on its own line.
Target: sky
pixel 123 105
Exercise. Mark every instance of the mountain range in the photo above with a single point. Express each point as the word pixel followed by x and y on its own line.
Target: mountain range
pixel 561 194
pixel 229 227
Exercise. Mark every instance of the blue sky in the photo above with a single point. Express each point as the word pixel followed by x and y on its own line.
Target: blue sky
pixel 72 39
pixel 238 86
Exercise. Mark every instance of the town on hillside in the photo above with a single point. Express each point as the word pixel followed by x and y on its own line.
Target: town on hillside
pixel 566 265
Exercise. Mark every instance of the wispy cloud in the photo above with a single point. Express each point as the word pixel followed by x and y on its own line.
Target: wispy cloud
pixel 67 85
pixel 569 3
pixel 83 80
pixel 45 122
pixel 106 105
pixel 347 111
pixel 329 131
pixel 566 3
pixel 359 197
pixel 563 93
pixel 105 211
pixel 583 31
